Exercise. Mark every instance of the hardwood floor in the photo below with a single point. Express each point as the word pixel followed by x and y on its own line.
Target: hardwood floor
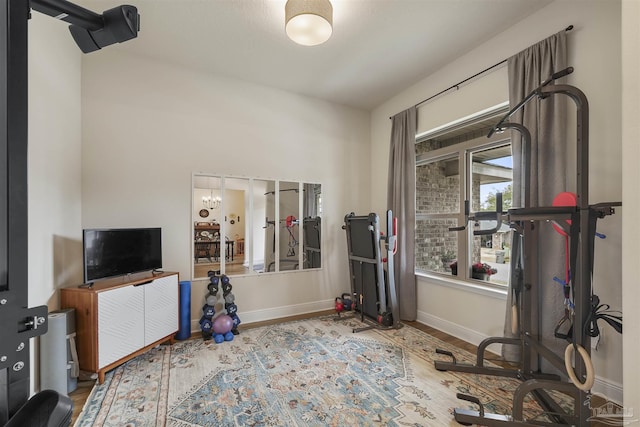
pixel 231 267
pixel 80 395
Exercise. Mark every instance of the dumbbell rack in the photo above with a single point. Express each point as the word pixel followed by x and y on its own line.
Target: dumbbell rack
pixel 219 298
pixel 525 222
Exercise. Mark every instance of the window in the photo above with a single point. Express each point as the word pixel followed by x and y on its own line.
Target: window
pixel 453 165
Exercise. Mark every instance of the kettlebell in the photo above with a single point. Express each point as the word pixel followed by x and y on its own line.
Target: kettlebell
pixel 385 319
pixel 339 305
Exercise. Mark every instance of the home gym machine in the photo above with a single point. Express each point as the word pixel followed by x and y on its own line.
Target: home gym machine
pixel 578 223
pixel 19 322
pixel 373 288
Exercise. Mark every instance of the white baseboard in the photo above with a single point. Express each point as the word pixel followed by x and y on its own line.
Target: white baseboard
pixel 611 390
pixel 285 311
pixel 453 329
pixel 275 312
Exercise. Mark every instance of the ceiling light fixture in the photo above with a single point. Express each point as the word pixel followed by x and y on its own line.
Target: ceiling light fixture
pixel 309 22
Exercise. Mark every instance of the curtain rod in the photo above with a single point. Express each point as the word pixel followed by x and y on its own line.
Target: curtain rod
pixel 456 86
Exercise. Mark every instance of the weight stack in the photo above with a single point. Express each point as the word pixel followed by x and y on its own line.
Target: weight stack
pixel 184 325
pixel 58 360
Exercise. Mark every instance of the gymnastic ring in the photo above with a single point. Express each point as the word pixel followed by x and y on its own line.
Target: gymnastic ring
pixel 588 382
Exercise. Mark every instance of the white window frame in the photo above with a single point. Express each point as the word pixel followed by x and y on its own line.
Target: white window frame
pixel 463 152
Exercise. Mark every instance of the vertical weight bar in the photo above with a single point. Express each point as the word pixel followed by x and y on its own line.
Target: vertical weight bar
pixel 14 383
pixel 4 190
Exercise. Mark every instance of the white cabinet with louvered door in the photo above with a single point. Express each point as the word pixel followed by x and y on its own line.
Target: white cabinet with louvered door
pixel 160 308
pixel 120 323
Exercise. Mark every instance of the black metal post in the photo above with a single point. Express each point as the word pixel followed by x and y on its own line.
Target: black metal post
pixel 14 379
pixel 581 279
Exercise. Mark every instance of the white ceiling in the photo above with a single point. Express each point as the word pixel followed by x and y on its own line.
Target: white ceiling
pixel 378 47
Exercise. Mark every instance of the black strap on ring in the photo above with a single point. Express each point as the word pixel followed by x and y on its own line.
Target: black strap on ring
pixel 598 311
pixel 601 312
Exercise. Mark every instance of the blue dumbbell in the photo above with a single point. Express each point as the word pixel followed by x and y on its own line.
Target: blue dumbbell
pixel 236 320
pixel 231 309
pixel 206 324
pixel 208 311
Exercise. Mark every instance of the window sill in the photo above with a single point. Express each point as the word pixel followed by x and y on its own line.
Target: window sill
pixel 477 288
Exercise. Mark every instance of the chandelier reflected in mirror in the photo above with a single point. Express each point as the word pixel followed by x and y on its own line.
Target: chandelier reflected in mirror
pixel 211 202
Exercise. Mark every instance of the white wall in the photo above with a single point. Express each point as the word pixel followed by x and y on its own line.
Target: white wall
pixel 594 47
pixel 631 196
pixel 55 254
pixel 466 100
pixel 147 126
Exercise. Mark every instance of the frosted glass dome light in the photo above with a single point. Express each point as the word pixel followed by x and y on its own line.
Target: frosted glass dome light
pixel 309 22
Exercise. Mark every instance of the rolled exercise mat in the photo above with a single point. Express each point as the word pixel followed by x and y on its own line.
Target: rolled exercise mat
pixel 184 328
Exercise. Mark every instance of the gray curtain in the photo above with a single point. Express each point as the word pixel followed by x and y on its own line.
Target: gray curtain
pixel 546 119
pixel 401 197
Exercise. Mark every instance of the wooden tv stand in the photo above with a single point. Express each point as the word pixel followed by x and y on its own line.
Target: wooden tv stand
pixel 119 319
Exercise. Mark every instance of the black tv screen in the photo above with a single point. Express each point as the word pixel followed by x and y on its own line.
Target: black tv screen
pixel 116 252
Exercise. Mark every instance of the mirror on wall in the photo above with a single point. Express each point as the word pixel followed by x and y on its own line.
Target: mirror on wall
pixel 263 211
pixel 244 226
pixel 288 225
pixel 206 215
pixel 236 199
pixel 311 227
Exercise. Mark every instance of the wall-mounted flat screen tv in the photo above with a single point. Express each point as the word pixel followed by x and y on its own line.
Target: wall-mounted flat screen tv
pixel 120 251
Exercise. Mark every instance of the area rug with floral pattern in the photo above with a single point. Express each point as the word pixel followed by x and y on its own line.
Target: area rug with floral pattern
pixel 312 372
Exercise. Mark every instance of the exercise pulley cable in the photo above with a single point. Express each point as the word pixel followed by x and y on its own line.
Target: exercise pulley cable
pixel 478 74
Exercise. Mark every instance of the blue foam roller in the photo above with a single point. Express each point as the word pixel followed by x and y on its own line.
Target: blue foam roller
pixel 184 327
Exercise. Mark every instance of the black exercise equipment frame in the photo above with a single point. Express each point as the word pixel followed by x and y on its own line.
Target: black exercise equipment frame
pixel 524 221
pixel 19 322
